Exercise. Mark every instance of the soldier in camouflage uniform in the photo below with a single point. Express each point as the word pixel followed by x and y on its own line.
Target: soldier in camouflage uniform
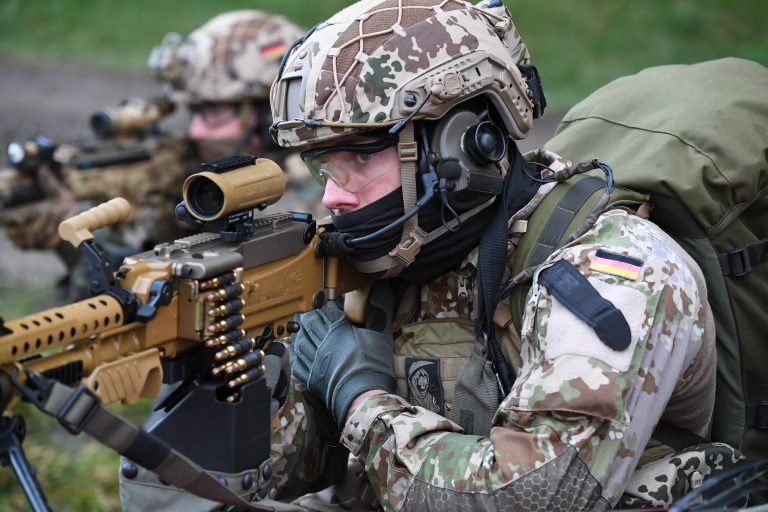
pixel 393 100
pixel 222 73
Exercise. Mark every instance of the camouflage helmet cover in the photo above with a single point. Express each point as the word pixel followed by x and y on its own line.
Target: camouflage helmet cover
pixel 377 61
pixel 232 57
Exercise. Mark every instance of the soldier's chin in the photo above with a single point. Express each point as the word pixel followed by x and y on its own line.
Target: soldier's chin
pixel 208 150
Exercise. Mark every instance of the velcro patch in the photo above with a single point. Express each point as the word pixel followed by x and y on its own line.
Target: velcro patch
pixel 616 264
pixel 425 388
pixel 566 334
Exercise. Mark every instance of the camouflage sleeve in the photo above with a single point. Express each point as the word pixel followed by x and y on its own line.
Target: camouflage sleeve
pixel 306 455
pixel 572 429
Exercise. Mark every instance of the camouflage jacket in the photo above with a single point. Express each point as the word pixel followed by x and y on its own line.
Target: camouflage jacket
pixel 578 417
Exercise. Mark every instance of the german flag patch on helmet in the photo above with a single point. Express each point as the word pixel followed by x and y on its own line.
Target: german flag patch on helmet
pixel 616 264
pixel 273 51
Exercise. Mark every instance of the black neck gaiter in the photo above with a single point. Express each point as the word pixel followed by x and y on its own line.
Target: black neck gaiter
pixel 435 258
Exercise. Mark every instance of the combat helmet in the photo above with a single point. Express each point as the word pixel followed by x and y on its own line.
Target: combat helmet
pixel 383 65
pixel 232 57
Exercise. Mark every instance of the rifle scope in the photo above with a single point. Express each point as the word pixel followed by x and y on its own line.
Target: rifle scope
pixel 131 117
pixel 233 184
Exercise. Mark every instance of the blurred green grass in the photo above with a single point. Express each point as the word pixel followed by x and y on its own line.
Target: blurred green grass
pixel 75 472
pixel 578 45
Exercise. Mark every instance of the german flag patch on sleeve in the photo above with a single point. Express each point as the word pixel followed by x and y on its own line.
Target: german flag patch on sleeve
pixel 616 264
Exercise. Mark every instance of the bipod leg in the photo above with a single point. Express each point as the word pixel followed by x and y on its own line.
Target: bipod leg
pixel 12 432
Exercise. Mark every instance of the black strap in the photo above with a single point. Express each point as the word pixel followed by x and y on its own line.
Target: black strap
pixel 80 410
pixel 676 437
pixel 757 415
pixel 519 189
pixel 576 293
pixel 562 217
pixel 743 260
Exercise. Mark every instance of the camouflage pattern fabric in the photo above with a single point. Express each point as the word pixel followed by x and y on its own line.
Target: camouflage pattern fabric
pixel 36 225
pixel 153 188
pixel 232 57
pixel 355 70
pixel 572 430
pixel 660 483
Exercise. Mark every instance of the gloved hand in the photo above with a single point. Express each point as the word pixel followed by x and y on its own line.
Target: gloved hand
pixel 278 369
pixel 337 361
pixel 36 225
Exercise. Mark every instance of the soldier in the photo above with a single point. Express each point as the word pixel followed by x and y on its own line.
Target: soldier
pixel 222 71
pixel 409 112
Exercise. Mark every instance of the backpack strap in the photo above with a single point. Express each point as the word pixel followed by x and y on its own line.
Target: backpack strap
pixel 562 217
pixel 562 211
pixel 676 437
pixel 743 260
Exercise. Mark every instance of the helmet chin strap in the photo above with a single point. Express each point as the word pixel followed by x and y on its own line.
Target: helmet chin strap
pixel 413 237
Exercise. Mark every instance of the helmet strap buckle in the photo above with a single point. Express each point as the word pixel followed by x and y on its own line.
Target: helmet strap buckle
pixel 408 248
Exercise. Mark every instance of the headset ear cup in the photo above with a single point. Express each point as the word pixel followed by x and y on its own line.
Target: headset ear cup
pixel 485 143
pixel 467 148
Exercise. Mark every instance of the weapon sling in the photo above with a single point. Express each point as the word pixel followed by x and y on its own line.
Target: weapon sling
pixel 80 410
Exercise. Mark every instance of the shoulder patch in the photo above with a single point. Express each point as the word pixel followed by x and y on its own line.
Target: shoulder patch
pixel 615 264
pixel 566 334
pixel 424 385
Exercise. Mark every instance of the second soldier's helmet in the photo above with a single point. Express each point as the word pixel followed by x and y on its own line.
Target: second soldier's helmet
pixel 233 57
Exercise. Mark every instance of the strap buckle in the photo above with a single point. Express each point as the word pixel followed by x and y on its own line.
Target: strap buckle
pixel 76 428
pixel 740 262
pixel 407 250
pixel 409 151
pixel 760 418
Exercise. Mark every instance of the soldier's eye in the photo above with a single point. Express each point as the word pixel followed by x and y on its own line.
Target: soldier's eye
pixel 363 158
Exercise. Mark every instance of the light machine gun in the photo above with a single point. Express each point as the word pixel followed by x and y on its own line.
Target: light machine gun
pixel 197 312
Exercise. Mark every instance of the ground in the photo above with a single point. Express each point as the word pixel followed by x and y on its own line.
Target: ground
pixel 57 100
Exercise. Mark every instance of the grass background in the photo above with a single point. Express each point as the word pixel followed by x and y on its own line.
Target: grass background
pixel 578 45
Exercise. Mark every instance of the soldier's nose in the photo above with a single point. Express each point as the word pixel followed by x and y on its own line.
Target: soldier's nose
pixel 339 200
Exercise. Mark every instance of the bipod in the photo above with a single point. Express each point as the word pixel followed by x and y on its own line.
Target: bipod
pixel 12 433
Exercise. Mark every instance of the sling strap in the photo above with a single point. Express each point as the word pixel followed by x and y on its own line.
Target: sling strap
pixel 80 410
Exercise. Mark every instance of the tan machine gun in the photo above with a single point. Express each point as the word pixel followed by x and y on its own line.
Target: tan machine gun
pixel 196 311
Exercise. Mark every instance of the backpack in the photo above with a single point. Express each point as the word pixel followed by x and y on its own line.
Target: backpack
pixel 693 140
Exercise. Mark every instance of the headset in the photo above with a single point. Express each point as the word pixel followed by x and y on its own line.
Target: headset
pixel 460 163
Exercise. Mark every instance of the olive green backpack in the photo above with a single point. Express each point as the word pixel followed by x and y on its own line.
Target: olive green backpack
pixel 694 140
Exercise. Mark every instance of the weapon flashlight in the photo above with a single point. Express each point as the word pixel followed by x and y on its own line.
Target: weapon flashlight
pixel 29 155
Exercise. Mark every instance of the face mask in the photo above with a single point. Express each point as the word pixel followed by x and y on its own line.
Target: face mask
pixel 435 258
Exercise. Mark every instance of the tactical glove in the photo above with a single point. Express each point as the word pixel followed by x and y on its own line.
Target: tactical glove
pixel 278 369
pixel 337 361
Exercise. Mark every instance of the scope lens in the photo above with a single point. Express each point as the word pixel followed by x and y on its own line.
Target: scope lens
pixel 204 197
